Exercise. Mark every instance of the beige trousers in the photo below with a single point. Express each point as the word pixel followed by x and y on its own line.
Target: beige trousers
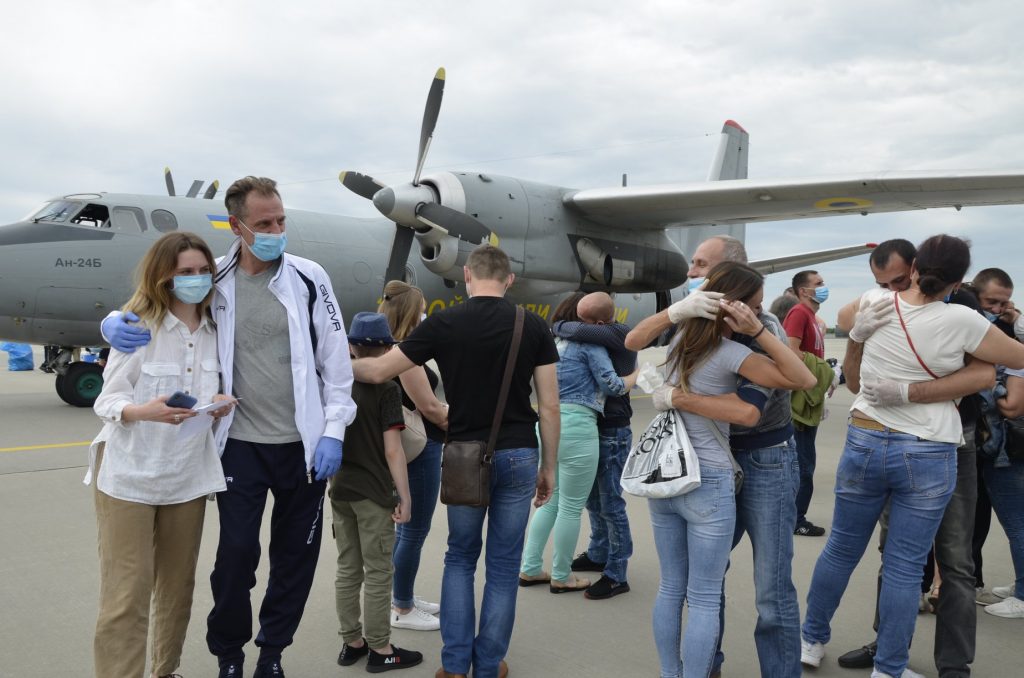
pixel 146 553
pixel 365 536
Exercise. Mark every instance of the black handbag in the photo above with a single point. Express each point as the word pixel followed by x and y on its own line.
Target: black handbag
pixel 466 464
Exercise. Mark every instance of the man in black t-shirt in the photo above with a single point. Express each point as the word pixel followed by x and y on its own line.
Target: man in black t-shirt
pixel 470 343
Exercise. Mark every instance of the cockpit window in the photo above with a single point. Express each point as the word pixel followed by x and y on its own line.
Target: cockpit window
pixel 57 210
pixel 92 215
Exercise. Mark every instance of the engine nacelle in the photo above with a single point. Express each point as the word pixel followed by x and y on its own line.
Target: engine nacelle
pixel 441 254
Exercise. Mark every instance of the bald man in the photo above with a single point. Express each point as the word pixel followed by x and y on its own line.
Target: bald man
pixel 611 542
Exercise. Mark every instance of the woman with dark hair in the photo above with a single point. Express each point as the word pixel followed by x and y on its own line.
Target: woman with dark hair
pixel 693 532
pixel 585 378
pixel 404 307
pixel 900 452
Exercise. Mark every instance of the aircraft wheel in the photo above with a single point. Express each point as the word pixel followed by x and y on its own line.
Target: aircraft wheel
pixel 81 384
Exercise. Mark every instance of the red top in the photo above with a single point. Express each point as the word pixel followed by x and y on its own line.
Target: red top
pixel 800 322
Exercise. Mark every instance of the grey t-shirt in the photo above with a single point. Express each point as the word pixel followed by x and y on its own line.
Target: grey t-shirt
pixel 716 376
pixel 263 363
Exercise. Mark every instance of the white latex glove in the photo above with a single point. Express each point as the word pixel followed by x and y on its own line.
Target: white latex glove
pixel 885 393
pixel 662 397
pixel 697 304
pixel 870 317
pixel 1018 327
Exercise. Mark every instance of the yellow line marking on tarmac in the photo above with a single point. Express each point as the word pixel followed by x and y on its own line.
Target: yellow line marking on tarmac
pixel 26 448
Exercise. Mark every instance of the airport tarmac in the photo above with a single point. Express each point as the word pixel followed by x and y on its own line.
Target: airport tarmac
pixel 49 583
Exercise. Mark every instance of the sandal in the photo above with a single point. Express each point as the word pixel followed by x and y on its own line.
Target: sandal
pixel 534 579
pixel 571 584
pixel 933 598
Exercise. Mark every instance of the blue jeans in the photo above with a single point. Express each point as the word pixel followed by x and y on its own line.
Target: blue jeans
pixel 917 477
pixel 766 511
pixel 513 484
pixel 1006 491
pixel 424 485
pixel 693 534
pixel 610 540
pixel 807 455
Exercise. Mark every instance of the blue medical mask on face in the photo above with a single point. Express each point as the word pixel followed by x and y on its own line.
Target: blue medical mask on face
pixel 192 289
pixel 266 246
pixel 821 294
pixel 693 284
pixel 991 317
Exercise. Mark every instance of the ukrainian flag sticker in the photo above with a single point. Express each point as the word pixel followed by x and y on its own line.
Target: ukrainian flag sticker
pixel 219 221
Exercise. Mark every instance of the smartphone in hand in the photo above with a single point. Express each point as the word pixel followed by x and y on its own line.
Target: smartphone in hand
pixel 179 399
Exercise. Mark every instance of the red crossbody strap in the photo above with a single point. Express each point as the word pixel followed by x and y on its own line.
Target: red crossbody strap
pixel 896 302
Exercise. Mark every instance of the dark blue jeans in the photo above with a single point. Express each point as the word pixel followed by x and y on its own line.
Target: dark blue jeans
pixel 424 485
pixel 513 484
pixel 611 542
pixel 766 511
pixel 807 456
pixel 1006 491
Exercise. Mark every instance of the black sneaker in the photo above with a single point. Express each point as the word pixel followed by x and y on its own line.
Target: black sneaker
pixel 271 670
pixel 605 587
pixel 809 529
pixel 583 563
pixel 350 655
pixel 861 658
pixel 230 671
pixel 398 659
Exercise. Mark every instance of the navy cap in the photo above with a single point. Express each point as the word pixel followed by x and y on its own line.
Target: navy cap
pixel 370 329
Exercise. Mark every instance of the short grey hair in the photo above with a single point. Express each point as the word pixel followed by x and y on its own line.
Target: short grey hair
pixel 732 249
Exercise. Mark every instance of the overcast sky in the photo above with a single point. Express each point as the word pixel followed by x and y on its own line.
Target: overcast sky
pixel 101 95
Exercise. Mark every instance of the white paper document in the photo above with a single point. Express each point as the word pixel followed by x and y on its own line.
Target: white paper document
pixel 202 422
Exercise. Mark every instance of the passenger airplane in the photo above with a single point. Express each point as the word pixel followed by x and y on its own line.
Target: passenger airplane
pixel 67 265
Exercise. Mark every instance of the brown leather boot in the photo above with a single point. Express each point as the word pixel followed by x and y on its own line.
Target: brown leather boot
pixel 441 673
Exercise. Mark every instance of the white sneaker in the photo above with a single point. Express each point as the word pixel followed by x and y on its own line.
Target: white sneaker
pixel 811 653
pixel 415 619
pixel 1011 608
pixel 1004 591
pixel 907 673
pixel 428 607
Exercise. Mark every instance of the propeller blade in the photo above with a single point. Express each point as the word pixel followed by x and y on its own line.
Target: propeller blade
pixel 360 184
pixel 211 190
pixel 430 113
pixel 400 248
pixel 453 222
pixel 193 190
pixel 169 181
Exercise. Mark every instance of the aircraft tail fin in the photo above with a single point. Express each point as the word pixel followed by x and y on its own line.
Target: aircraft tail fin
pixel 730 161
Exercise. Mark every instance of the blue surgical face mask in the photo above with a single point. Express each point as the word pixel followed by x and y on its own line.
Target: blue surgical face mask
pixel 192 289
pixel 693 284
pixel 821 294
pixel 266 246
pixel 991 317
pixel 948 298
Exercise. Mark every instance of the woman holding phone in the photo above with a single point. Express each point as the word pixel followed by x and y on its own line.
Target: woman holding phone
pixel 150 484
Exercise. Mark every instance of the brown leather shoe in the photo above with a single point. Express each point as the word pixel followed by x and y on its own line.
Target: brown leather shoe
pixel 441 673
pixel 502 669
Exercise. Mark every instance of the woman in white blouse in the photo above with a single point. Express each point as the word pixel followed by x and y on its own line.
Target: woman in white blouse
pixel 151 478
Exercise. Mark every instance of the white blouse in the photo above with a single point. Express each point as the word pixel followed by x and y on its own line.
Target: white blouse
pixel 143 461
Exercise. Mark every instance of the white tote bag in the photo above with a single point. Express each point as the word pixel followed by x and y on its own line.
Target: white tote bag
pixel 662 463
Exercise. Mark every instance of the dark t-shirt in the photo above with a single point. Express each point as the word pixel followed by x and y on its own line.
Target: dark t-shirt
pixel 364 470
pixel 470 343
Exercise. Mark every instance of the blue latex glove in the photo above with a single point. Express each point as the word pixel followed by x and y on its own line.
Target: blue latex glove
pixel 327 459
pixel 122 336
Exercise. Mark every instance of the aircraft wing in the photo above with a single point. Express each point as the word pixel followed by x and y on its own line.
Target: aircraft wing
pixel 752 200
pixel 800 261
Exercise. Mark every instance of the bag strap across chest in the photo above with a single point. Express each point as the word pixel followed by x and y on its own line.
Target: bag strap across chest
pixel 506 381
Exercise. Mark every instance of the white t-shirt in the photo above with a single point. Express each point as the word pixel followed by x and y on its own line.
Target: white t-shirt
pixel 942 334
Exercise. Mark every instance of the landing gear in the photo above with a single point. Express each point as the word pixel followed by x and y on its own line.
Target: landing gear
pixel 78 383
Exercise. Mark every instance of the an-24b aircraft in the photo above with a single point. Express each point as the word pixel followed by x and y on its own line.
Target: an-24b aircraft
pixel 67 265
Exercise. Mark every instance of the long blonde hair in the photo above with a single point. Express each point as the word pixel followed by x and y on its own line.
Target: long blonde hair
pixel 152 298
pixel 699 337
pixel 403 306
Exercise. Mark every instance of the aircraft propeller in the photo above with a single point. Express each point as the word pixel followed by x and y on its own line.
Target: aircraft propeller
pixel 169 181
pixel 194 189
pixel 412 207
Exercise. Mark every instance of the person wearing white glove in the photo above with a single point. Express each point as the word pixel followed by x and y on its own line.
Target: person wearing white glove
pixel 885 392
pixel 697 304
pixel 870 316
